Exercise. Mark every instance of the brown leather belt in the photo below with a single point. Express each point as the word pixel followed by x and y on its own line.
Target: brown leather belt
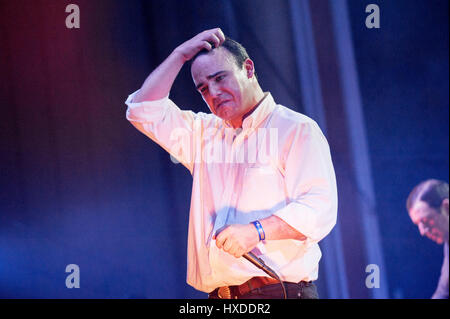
pixel 235 292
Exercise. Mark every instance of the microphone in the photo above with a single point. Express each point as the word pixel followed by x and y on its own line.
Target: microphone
pixel 258 262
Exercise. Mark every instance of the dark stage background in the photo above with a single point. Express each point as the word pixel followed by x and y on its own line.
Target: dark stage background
pixel 80 185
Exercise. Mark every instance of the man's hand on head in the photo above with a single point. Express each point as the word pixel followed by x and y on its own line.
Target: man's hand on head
pixel 237 239
pixel 208 40
pixel 159 83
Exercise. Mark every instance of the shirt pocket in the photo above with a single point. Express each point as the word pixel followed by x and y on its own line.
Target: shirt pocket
pixel 262 189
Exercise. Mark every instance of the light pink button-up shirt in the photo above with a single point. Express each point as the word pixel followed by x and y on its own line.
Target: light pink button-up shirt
pixel 279 164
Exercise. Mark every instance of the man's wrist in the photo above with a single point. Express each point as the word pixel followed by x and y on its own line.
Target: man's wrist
pixel 259 229
pixel 179 55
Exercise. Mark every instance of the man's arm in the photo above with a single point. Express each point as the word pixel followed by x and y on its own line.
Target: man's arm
pixel 160 81
pixel 311 186
pixel 238 239
pixel 442 288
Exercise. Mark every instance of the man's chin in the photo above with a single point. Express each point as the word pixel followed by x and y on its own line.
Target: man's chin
pixel 224 114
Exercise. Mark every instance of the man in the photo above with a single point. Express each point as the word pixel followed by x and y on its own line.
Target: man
pixel 277 205
pixel 427 205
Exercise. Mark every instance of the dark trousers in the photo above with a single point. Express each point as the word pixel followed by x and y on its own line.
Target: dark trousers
pixel 301 290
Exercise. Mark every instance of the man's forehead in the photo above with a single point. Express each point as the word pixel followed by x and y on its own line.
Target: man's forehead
pixel 212 62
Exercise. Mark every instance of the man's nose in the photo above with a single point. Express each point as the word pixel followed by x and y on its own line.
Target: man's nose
pixel 214 90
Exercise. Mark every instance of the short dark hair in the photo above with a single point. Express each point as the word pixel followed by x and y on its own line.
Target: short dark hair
pixel 236 49
pixel 431 191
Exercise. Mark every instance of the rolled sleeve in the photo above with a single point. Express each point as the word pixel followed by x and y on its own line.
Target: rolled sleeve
pixel 146 112
pixel 167 125
pixel 310 184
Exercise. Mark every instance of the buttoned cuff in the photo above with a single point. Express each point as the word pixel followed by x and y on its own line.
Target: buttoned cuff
pixel 146 111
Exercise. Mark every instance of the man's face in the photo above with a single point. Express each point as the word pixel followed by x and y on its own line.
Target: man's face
pixel 430 221
pixel 222 84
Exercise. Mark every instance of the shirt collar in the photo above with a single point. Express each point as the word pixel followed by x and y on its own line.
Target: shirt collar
pixel 266 107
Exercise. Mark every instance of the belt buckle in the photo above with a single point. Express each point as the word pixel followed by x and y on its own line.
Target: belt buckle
pixel 224 292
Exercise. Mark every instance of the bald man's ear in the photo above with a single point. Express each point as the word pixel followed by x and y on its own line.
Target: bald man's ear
pixel 249 67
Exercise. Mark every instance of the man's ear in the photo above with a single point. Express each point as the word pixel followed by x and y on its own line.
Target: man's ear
pixel 249 67
pixel 444 206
